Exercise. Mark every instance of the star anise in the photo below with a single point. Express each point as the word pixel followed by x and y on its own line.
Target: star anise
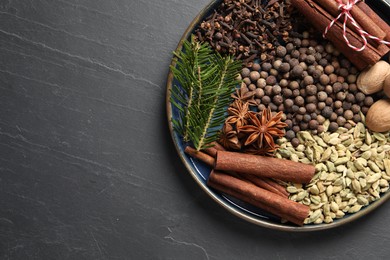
pixel 228 138
pixel 238 113
pixel 244 95
pixel 261 131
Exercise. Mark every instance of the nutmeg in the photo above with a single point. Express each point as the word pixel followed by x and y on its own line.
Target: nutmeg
pixel 378 116
pixel 386 86
pixel 372 79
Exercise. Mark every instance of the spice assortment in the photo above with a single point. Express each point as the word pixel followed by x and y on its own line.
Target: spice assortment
pixel 306 133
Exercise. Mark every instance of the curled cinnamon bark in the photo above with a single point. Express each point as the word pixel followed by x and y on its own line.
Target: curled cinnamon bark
pixel 266 200
pixel 263 166
pixel 320 18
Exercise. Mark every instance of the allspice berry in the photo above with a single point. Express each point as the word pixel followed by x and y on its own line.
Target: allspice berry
pixel 254 76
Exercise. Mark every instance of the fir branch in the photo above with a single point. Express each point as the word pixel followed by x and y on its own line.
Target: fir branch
pixel 207 80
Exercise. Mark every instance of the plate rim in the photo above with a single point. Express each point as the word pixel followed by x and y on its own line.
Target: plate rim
pixel 260 222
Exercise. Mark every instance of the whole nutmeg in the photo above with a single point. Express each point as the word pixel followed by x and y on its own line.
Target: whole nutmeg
pixel 386 85
pixel 378 117
pixel 371 80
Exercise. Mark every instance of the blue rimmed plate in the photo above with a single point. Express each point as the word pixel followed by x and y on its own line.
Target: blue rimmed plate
pixel 200 172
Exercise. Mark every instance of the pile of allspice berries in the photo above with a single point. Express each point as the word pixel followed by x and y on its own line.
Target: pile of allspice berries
pixel 373 80
pixel 310 82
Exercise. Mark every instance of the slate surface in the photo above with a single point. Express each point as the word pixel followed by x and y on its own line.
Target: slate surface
pixel 87 166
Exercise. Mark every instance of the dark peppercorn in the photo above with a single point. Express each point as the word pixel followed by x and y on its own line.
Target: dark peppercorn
pixel 295 54
pixel 364 110
pixel 266 100
pixel 313 116
pixel 368 101
pixel 333 117
pixel 297 71
pixel 299 101
pixel 261 107
pixel 288 103
pixel 311 99
pixel 360 96
pixel 348 125
pixel 271 80
pixel 268 90
pixel 320 119
pixel 352 88
pixel 273 107
pixel 317 74
pixel 323 62
pixel 293 62
pixel 284 67
pixel 302 110
pixel 290 134
pixel 327 112
pixel 328 101
pixel 337 87
pixel 346 105
pixel 311 107
pixel 356 118
pixel 339 111
pixel 295 93
pixel 303 125
pixel 348 114
pixel 313 124
pixel 266 66
pixel 299 117
pixel 286 92
pixel 355 108
pixel 350 98
pixel 333 126
pixel 289 123
pixel 277 100
pixel 320 129
pixel 310 59
pixel 289 47
pixel 295 142
pixel 306 118
pixel 341 121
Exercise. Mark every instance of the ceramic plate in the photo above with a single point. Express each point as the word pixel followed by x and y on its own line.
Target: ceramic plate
pixel 200 172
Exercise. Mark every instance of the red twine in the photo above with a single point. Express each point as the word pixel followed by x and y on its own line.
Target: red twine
pixel 345 10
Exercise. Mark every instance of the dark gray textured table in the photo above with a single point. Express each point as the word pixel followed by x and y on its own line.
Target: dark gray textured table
pixel 87 166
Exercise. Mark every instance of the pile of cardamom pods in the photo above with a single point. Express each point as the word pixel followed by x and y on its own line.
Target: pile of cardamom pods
pixel 352 170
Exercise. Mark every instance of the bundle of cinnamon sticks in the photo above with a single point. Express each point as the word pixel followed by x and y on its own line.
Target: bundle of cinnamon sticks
pixel 322 12
pixel 252 179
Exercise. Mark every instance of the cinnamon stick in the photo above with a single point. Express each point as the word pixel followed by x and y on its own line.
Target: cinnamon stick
pixel 321 19
pixel 264 183
pixel 250 193
pixel 207 159
pixel 212 151
pixel 365 22
pixel 375 18
pixel 262 166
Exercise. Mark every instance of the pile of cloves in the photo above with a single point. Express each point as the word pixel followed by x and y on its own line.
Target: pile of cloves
pixel 248 29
